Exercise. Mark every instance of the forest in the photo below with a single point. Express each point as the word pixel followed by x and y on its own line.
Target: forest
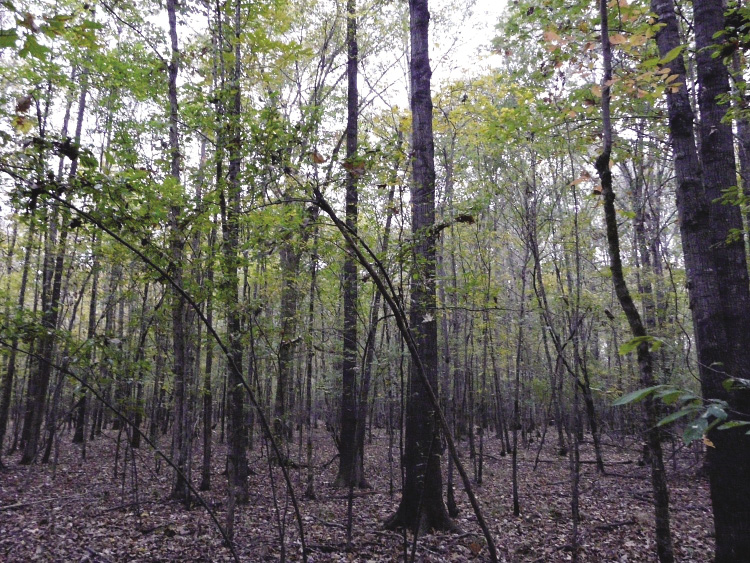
pixel 375 280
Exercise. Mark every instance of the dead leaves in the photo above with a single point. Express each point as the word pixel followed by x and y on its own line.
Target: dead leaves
pixel 85 515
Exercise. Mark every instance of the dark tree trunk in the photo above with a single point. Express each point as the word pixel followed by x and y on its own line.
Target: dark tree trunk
pixel 309 423
pixel 728 463
pixel 39 382
pixel 208 405
pixel 716 268
pixel 230 211
pixel 181 436
pixel 290 257
pixel 51 289
pixel 422 505
pixel 79 435
pixel 653 435
pixel 351 470
pixel 10 373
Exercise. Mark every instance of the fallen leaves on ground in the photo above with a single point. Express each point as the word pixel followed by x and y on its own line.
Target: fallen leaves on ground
pixel 90 511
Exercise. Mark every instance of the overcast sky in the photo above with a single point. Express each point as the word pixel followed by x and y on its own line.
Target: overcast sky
pixel 464 49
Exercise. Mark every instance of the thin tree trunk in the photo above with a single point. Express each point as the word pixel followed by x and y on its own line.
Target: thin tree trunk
pixel 8 380
pixel 207 392
pixel 658 474
pixel 230 209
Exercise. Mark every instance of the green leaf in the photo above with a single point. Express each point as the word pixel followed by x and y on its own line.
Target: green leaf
pixel 734 424
pixel 90 24
pixel 22 124
pixel 633 343
pixel 669 396
pixel 33 48
pixel 636 396
pixel 716 411
pixel 695 430
pixel 672 55
pixel 8 38
pixel 736 383
pixel 677 415
pixel 87 159
pixel 650 63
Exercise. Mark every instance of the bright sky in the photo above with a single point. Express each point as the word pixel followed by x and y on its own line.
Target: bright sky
pixel 465 50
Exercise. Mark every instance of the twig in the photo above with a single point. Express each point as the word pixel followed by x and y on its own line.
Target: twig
pixel 614 525
pixel 30 503
pixel 99 555
pixel 330 524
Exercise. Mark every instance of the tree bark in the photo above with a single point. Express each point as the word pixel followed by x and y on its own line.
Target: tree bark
pixel 10 372
pixel 422 505
pixel 230 211
pixel 645 364
pixel 728 462
pixel 181 436
pixel 351 466
pixel 716 269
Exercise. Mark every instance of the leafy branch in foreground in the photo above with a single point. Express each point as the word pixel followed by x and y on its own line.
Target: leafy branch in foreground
pixel 705 415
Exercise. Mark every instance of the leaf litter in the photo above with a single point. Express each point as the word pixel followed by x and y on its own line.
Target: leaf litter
pixel 84 511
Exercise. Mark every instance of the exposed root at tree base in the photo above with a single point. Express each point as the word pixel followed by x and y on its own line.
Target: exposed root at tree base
pixel 428 521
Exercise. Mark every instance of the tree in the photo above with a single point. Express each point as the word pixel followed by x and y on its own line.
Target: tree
pixel 422 506
pixel 230 198
pixel 645 360
pixel 715 264
pixel 182 435
pixel 351 467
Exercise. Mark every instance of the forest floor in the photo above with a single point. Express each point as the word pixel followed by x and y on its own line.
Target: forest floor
pixel 92 512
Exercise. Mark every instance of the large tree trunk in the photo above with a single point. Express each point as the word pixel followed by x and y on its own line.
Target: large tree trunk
pixel 716 269
pixel 422 505
pixel 351 469
pixel 728 462
pixel 289 257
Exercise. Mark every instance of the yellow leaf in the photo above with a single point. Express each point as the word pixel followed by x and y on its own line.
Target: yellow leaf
pixel 618 39
pixel 708 442
pixel 596 90
pixel 671 78
pixel 638 39
pixel 22 124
